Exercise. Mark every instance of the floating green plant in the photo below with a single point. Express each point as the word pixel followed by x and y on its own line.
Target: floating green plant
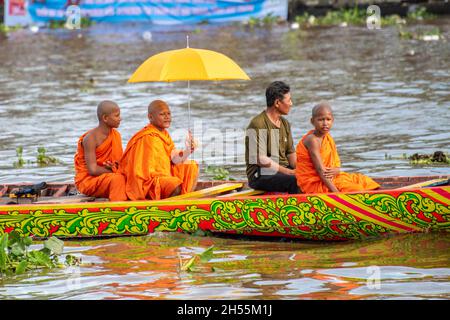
pixel 20 161
pixel 17 258
pixel 437 157
pixel 219 173
pixel 44 160
pixel 190 265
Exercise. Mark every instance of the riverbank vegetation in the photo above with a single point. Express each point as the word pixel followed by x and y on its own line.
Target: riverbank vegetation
pixel 5 29
pixel 85 22
pixel 358 17
pixel 426 35
pixel 17 258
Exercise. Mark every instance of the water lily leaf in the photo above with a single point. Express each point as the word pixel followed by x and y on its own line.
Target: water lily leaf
pixel 55 245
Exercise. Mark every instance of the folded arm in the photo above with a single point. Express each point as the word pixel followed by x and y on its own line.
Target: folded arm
pixel 266 162
pixel 313 146
pixel 91 160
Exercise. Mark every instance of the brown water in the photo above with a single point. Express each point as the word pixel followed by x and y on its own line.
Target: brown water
pixel 403 267
pixel 390 96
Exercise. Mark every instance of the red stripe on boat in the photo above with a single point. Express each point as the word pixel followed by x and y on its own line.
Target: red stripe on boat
pixel 371 215
pixel 442 192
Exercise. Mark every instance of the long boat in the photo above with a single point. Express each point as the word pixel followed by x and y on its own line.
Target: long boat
pixel 401 205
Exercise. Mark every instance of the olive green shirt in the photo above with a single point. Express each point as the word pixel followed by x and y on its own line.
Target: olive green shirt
pixel 261 135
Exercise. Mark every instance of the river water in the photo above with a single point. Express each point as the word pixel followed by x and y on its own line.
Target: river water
pixel 390 96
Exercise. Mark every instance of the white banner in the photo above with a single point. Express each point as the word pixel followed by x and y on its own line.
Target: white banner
pixel 16 13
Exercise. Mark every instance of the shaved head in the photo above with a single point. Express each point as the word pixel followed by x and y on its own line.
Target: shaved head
pixel 156 106
pixel 159 114
pixel 106 107
pixel 321 106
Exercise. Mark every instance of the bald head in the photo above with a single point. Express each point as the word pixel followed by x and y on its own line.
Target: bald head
pixel 156 106
pixel 322 106
pixel 159 114
pixel 106 107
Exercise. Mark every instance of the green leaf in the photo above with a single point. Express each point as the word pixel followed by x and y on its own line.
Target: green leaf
pixel 3 245
pixel 72 260
pixel 188 265
pixel 55 245
pixel 17 249
pixel 39 258
pixel 46 251
pixel 14 237
pixel 21 267
pixel 27 241
pixel 207 254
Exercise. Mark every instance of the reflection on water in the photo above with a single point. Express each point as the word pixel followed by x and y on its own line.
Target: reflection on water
pixel 390 96
pixel 402 267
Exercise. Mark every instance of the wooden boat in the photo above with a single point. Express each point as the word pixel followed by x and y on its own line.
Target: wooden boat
pixel 402 205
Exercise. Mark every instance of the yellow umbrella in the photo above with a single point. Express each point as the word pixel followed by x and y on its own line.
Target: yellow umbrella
pixel 188 64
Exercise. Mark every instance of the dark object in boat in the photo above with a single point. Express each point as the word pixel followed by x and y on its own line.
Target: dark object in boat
pixel 29 191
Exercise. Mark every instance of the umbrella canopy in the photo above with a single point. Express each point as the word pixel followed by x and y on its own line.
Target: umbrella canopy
pixel 188 64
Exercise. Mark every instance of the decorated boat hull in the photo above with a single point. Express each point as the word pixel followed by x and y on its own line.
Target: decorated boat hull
pixel 331 216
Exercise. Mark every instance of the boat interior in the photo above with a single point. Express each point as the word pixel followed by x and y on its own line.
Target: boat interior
pixel 57 192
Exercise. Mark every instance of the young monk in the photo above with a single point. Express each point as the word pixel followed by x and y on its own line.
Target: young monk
pixel 318 161
pixel 98 154
pixel 153 167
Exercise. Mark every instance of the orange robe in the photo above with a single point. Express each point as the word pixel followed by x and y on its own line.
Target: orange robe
pixel 107 185
pixel 309 181
pixel 147 165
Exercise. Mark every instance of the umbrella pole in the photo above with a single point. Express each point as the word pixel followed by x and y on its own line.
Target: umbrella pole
pixel 189 93
pixel 189 107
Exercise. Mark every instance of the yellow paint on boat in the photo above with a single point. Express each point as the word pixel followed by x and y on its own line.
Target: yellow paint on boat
pixel 423 184
pixel 245 193
pixel 209 191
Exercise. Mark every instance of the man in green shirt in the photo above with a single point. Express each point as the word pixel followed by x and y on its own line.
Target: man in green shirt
pixel 269 148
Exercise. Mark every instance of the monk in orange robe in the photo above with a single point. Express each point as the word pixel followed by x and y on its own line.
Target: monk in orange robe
pixel 153 167
pixel 318 161
pixel 98 154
